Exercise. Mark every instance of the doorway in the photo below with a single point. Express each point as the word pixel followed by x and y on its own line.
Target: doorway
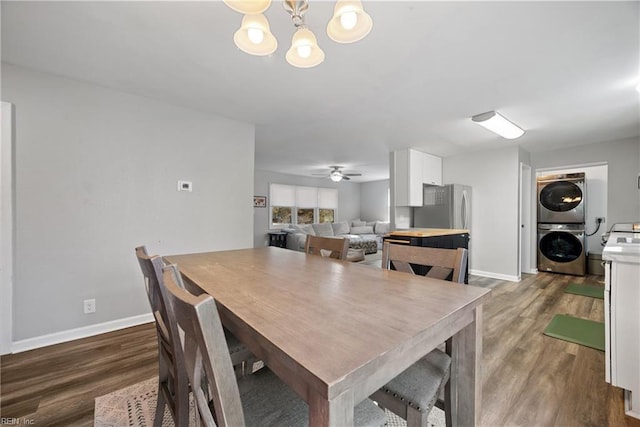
pixel 526 185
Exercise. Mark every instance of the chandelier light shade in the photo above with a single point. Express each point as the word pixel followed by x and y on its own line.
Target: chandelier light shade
pixel 248 7
pixel 350 22
pixel 497 123
pixel 304 51
pixel 254 36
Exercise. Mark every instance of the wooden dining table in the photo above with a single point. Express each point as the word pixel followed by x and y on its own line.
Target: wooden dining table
pixel 336 331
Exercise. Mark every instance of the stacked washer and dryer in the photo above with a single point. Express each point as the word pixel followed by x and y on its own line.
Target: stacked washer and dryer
pixel 561 223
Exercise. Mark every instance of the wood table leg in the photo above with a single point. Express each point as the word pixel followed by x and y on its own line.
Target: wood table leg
pixel 466 381
pixel 335 412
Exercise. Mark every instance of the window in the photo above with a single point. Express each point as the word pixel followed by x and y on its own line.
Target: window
pixel 283 200
pixel 327 204
pixel 281 215
pixel 305 216
pixel 290 204
pixel 326 215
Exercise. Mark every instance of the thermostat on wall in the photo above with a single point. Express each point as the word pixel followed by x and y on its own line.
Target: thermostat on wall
pixel 185 186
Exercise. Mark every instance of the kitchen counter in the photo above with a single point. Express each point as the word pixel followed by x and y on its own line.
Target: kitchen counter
pixel 622 247
pixel 426 232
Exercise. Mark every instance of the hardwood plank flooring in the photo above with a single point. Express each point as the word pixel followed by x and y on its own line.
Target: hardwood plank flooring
pixel 528 378
pixel 57 385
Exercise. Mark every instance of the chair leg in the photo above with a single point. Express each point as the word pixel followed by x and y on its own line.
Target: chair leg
pixel 447 404
pixel 448 389
pixel 160 406
pixel 416 418
pixel 182 400
pixel 163 379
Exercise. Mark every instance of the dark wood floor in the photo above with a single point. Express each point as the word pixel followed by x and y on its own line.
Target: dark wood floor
pixel 528 378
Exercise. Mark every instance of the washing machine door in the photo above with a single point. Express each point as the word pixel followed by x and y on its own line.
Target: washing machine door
pixel 560 202
pixel 561 247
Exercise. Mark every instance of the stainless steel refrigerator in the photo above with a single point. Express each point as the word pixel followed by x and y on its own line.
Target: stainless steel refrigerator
pixel 447 206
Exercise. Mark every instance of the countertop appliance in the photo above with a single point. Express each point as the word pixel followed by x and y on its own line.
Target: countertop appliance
pixel 622 312
pixel 561 198
pixel 447 206
pixel 561 248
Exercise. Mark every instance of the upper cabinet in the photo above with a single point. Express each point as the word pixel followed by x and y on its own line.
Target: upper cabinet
pixel 431 169
pixel 412 170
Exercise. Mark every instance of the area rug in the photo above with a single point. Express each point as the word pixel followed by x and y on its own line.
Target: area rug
pixel 585 290
pixel 580 331
pixel 135 406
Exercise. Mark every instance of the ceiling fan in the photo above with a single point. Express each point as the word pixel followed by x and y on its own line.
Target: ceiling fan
pixel 337 175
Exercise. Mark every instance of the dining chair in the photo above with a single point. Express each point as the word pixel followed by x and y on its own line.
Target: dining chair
pixel 258 399
pixel 173 383
pixel 412 394
pixel 332 247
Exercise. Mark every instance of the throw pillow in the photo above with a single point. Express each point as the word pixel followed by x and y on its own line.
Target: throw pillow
pixel 323 229
pixel 306 229
pixel 358 223
pixel 362 230
pixel 340 228
pixel 381 227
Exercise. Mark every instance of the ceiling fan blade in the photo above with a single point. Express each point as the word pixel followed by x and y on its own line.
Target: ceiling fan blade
pixel 319 174
pixel 345 178
pixel 351 174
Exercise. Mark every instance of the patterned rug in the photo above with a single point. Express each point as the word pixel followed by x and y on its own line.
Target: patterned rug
pixel 135 406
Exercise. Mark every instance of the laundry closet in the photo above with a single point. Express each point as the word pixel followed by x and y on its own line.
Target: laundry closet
pixel 566 219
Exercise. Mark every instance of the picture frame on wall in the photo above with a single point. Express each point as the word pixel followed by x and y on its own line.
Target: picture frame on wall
pixel 259 201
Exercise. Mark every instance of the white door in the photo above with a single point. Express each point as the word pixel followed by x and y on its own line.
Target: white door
pixel 525 219
pixel 6 229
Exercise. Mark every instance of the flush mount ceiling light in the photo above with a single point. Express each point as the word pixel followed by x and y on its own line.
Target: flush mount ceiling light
pixel 497 123
pixel 349 24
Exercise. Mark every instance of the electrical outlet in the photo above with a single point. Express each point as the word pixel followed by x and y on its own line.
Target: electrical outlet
pixel 599 219
pixel 185 186
pixel 89 306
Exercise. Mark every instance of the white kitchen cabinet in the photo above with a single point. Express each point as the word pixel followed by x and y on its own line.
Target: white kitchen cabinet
pixel 412 170
pixel 431 169
pixel 622 317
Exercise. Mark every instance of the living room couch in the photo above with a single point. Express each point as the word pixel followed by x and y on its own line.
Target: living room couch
pixel 361 234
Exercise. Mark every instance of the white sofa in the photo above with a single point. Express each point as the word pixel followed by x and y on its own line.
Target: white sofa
pixel 361 234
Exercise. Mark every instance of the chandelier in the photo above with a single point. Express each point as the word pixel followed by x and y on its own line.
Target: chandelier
pixel 349 24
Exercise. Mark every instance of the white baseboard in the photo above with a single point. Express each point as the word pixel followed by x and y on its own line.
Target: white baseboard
pixel 495 275
pixel 83 332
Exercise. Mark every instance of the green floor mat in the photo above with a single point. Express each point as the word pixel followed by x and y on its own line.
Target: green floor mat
pixel 586 290
pixel 580 331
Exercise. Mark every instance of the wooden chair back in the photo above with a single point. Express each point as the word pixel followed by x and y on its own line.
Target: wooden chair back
pixel 446 264
pixel 173 384
pixel 153 290
pixel 205 351
pixel 333 247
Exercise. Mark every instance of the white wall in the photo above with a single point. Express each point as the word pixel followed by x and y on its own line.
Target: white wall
pixel 96 175
pixel 493 176
pixel 623 160
pixel 374 200
pixel 348 199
